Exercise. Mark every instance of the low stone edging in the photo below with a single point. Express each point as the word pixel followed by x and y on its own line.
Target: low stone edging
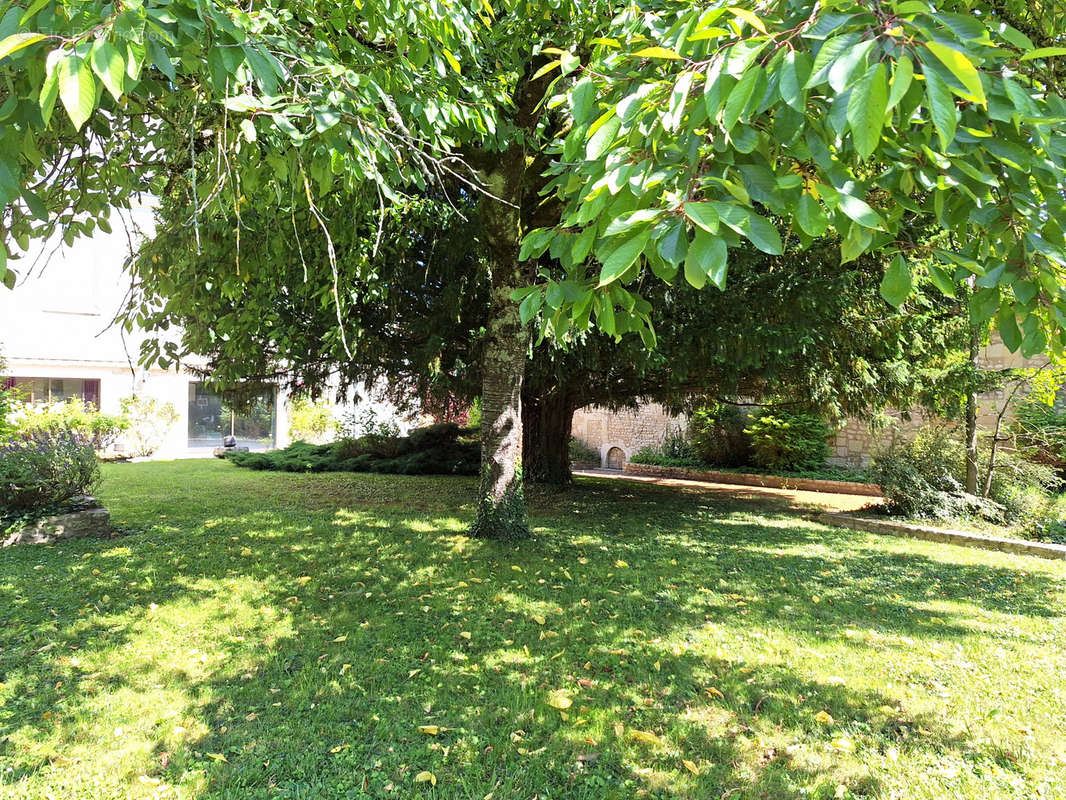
pixel 750 479
pixel 75 525
pixel 962 538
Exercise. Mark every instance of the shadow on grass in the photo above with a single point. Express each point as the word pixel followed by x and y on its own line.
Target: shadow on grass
pixel 297 648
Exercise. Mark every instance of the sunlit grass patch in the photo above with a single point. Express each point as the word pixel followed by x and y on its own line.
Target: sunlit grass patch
pixel 289 636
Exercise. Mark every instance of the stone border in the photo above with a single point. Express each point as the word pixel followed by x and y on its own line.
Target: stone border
pixel 962 538
pixel 749 479
pixel 95 522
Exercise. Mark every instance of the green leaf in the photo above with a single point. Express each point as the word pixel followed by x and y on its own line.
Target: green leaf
pixel 12 44
pixel 673 247
pixel 962 68
pixel 657 52
pixel 627 222
pixel 762 233
pixel 740 97
pixel 77 89
pixel 49 92
pixel 109 66
pixel 860 211
pixel 827 55
pixel 703 215
pixel 942 279
pixel 602 139
pixel 1008 327
pixel 896 286
pixel 678 98
pixel 810 216
pixel 866 110
pixel 1044 52
pixel 529 307
pixel 902 77
pixel 622 257
pixel 942 108
pixel 708 257
pixel 161 59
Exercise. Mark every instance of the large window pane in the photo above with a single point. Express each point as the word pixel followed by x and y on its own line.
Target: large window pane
pixel 211 418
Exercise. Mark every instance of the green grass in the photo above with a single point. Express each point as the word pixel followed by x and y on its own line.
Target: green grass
pixel 265 635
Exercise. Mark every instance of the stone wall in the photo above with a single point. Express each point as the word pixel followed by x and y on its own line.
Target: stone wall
pixel 627 430
pixel 853 445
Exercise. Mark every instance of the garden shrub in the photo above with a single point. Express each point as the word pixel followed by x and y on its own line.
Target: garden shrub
pixel 674 450
pixel 312 421
pixel 788 441
pixel 443 449
pixel 718 437
pixel 45 467
pixel 582 453
pixel 924 477
pixel 101 430
pixel 1039 430
pixel 149 422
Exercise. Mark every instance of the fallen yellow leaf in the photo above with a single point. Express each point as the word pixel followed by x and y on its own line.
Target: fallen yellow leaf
pixel 844 744
pixel 339 748
pixel 426 777
pixel 217 757
pixel 560 699
pixel 431 730
pixel 620 564
pixel 618 729
pixel 539 619
pixel 343 638
pixel 647 738
pixel 824 717
pixel 690 766
pixel 711 691
pixel 303 579
pixel 465 635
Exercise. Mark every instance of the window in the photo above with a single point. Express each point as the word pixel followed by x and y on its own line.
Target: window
pixel 57 390
pixel 211 418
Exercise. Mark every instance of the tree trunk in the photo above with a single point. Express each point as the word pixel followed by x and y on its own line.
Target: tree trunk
pixel 501 510
pixel 971 417
pixel 547 422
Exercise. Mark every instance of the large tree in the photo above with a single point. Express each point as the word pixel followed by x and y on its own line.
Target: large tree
pixel 672 132
pixel 799 328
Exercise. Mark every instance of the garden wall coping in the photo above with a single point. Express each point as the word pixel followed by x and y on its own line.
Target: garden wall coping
pixel 95 522
pixel 751 479
pixel 962 538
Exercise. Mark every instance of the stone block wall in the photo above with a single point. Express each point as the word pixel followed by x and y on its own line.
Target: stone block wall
pixel 852 446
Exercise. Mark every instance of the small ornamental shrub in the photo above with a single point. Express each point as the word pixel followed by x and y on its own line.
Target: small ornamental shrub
pixel 582 453
pixel 787 441
pixel 674 451
pixel 924 477
pixel 1039 431
pixel 443 449
pixel 718 436
pixel 45 467
pixel 312 421
pixel 101 430
pixel 149 422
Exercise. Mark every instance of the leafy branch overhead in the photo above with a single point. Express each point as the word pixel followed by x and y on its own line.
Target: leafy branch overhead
pixel 674 131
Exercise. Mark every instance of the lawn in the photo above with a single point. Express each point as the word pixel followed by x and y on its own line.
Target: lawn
pixel 263 635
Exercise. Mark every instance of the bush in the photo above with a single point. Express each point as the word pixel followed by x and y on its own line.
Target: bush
pixel 1039 430
pixel 149 421
pixel 718 437
pixel 583 453
pixel 924 477
pixel 786 441
pixel 101 430
pixel 312 421
pixel 444 449
pixel 45 467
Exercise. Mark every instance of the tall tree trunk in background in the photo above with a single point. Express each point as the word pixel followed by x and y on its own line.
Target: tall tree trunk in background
pixel 501 509
pixel 547 423
pixel 971 416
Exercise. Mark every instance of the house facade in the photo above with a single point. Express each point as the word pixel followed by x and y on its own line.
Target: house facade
pixel 59 342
